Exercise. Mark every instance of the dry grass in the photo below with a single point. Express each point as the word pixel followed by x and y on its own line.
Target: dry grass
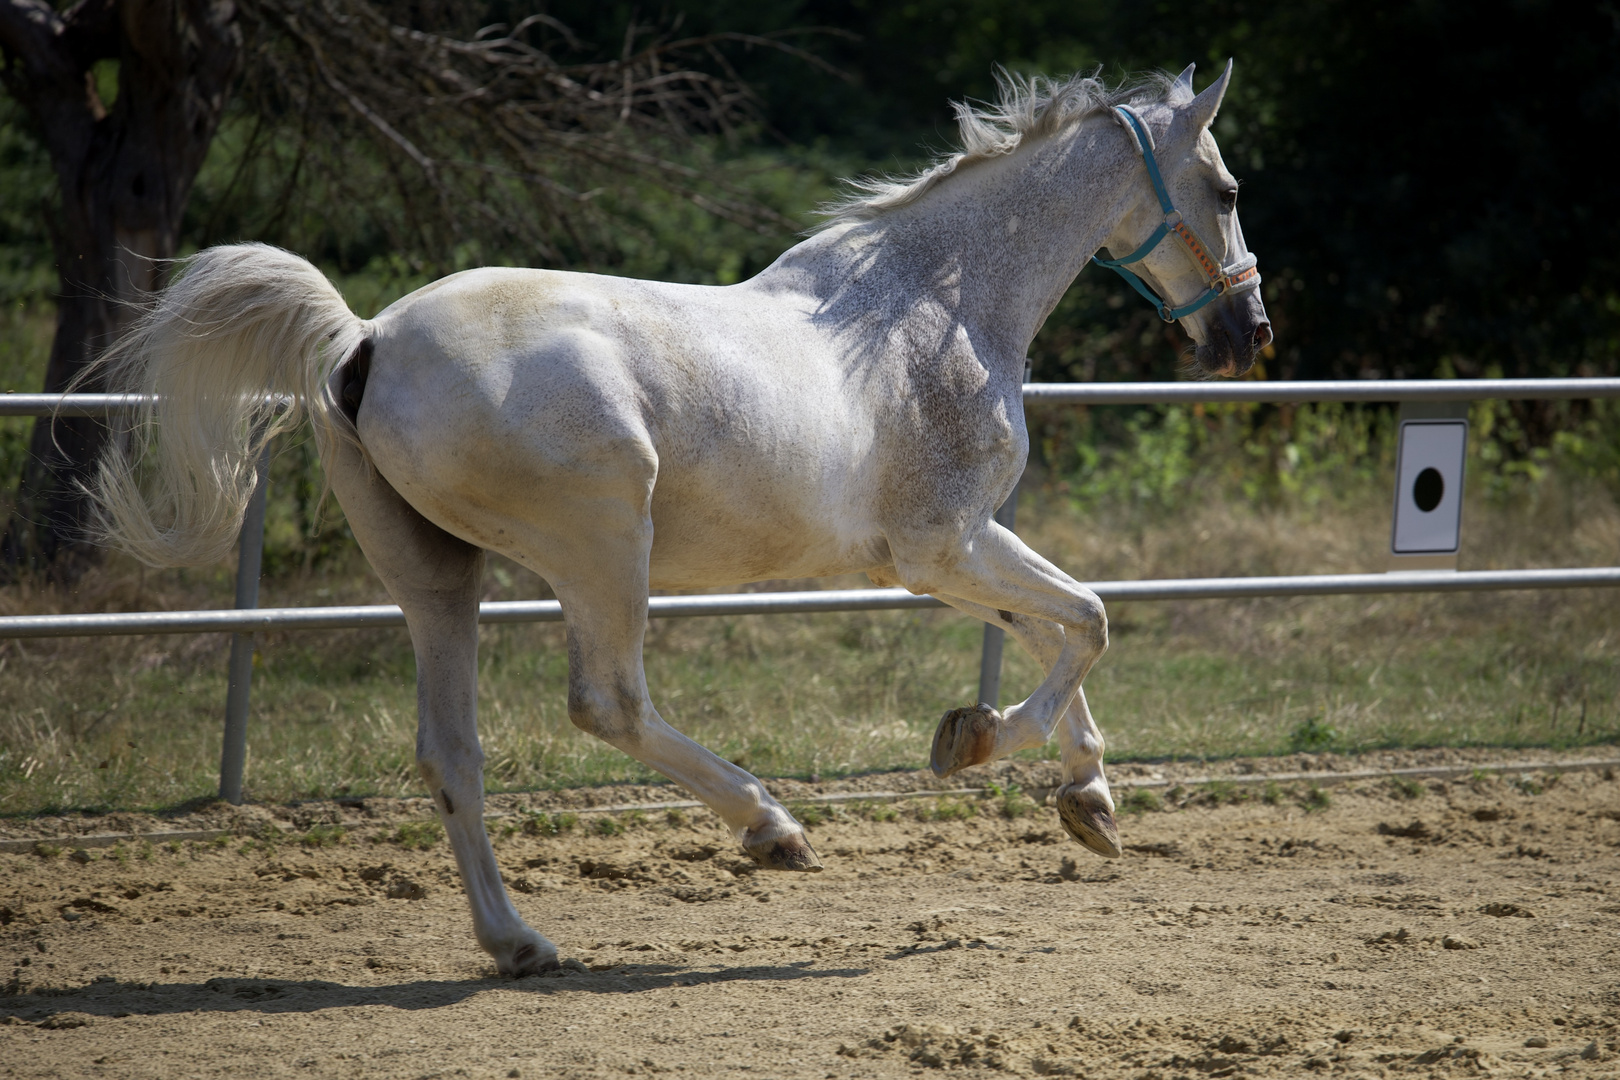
pixel 134 722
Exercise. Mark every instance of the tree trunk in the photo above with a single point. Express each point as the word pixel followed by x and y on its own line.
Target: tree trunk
pixel 124 175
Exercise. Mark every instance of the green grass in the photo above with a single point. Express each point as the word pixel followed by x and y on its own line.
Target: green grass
pixel 810 815
pixel 333 713
pixel 1011 801
pixel 420 835
pixel 539 823
pixel 1223 793
pixel 1139 800
pixel 832 695
pixel 1407 788
pixel 944 809
pixel 322 836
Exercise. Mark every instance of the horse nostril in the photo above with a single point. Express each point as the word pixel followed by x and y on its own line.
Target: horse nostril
pixel 1262 335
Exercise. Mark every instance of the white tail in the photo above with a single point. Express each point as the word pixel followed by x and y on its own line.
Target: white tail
pixel 235 351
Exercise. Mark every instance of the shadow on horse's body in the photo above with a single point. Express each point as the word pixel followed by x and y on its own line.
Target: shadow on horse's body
pixel 855 407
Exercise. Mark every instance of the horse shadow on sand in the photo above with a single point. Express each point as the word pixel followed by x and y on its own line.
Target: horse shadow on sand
pixel 110 997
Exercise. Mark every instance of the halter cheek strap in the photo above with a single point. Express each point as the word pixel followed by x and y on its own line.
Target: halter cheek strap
pixel 1243 274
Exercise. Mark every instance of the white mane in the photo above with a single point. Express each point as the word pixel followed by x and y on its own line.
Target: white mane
pixel 1027 107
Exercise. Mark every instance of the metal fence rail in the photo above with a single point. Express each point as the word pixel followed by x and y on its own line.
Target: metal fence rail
pixel 1124 393
pixel 247 618
pixel 249 621
pixel 1370 390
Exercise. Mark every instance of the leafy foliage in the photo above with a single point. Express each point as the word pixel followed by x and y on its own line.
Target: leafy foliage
pixel 1460 231
pixel 1417 193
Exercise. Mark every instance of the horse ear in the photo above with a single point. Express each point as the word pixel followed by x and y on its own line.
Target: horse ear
pixel 1182 88
pixel 1201 111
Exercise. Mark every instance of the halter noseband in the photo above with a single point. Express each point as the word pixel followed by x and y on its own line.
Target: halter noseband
pixel 1243 274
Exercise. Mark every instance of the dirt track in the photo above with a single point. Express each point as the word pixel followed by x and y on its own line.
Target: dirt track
pixel 1474 929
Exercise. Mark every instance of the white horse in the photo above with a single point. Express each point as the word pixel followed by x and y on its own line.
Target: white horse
pixel 855 407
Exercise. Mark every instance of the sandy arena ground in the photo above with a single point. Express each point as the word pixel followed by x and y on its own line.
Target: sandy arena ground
pixel 1472 930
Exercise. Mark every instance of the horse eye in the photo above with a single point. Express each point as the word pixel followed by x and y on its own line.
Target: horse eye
pixel 1229 199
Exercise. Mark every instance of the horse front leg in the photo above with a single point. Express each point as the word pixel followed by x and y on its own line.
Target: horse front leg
pixel 997 578
pixel 978 734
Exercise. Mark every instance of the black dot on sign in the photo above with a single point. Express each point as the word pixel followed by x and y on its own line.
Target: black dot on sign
pixel 1428 489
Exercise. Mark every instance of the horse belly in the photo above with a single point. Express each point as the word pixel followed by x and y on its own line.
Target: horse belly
pixel 704 537
pixel 758 491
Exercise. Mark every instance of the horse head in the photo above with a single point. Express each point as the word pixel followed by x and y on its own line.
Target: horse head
pixel 1183 233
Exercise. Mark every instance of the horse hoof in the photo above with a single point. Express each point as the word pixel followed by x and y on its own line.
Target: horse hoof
pixel 534 957
pixel 965 737
pixel 786 853
pixel 1088 818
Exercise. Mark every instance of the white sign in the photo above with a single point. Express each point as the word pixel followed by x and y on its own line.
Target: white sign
pixel 1428 487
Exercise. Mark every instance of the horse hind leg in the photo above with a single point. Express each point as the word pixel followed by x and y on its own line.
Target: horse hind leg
pixel 434 577
pixel 607 697
pixel 604 600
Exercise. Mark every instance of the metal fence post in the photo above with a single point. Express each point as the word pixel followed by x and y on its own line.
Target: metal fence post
pixel 994 636
pixel 233 757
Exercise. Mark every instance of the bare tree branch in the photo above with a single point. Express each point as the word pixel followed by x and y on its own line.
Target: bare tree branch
pixel 504 128
pixel 359 106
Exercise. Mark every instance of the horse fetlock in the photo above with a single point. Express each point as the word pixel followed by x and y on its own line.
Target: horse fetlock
pixel 1087 814
pixel 965 737
pixel 775 849
pixel 1022 727
pixel 1082 757
pixel 525 953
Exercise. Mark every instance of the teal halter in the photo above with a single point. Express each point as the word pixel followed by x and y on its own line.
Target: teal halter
pixel 1243 274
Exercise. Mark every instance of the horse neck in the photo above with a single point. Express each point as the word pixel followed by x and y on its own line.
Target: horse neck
pixel 990 250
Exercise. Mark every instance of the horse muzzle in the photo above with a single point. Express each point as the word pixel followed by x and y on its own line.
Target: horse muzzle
pixel 1234 334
